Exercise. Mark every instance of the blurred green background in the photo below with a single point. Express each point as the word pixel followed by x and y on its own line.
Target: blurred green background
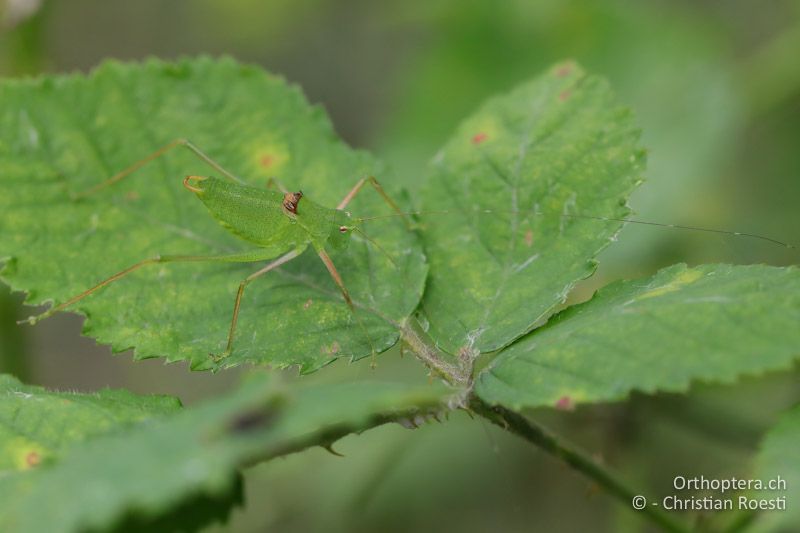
pixel 716 88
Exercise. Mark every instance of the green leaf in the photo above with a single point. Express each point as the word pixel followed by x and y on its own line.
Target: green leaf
pixel 197 452
pixel 61 135
pixel 37 425
pixel 711 322
pixel 779 457
pixel 555 146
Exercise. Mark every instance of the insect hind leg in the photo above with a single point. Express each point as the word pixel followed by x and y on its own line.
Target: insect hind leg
pixel 237 303
pixel 244 257
pixel 153 156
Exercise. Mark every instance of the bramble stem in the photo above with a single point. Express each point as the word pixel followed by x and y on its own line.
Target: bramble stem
pixel 573 457
pixel 536 434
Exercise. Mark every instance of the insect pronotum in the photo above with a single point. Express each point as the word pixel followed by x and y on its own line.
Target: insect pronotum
pixel 281 225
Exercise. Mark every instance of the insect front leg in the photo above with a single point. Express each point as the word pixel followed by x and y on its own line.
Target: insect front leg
pixel 155 155
pixel 379 189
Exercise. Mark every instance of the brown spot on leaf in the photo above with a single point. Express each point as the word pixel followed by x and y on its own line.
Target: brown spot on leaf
pixel 478 138
pixel 565 95
pixel 564 70
pixel 32 459
pixel 529 238
pixel 565 403
pixel 308 303
pixel 132 196
pixel 331 350
pixel 266 160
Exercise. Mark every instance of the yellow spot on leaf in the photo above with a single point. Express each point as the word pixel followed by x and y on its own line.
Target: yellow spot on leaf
pixel 479 137
pixel 564 69
pixel 22 454
pixel 482 129
pixel 267 157
pixel 32 459
pixel 684 278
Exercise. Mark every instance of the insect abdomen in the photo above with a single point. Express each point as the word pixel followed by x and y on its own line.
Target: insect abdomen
pixel 255 215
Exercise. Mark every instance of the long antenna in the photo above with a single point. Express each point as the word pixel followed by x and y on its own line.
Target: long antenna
pixel 607 219
pixel 375 244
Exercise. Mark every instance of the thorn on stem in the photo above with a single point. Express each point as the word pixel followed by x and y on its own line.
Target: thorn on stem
pixel 330 450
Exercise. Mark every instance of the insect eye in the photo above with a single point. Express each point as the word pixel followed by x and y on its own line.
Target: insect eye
pixel 343 229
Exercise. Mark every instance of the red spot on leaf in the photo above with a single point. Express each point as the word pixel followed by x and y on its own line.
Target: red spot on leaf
pixel 32 459
pixel 564 95
pixel 565 403
pixel 478 138
pixel 266 161
pixel 529 238
pixel 331 350
pixel 563 71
